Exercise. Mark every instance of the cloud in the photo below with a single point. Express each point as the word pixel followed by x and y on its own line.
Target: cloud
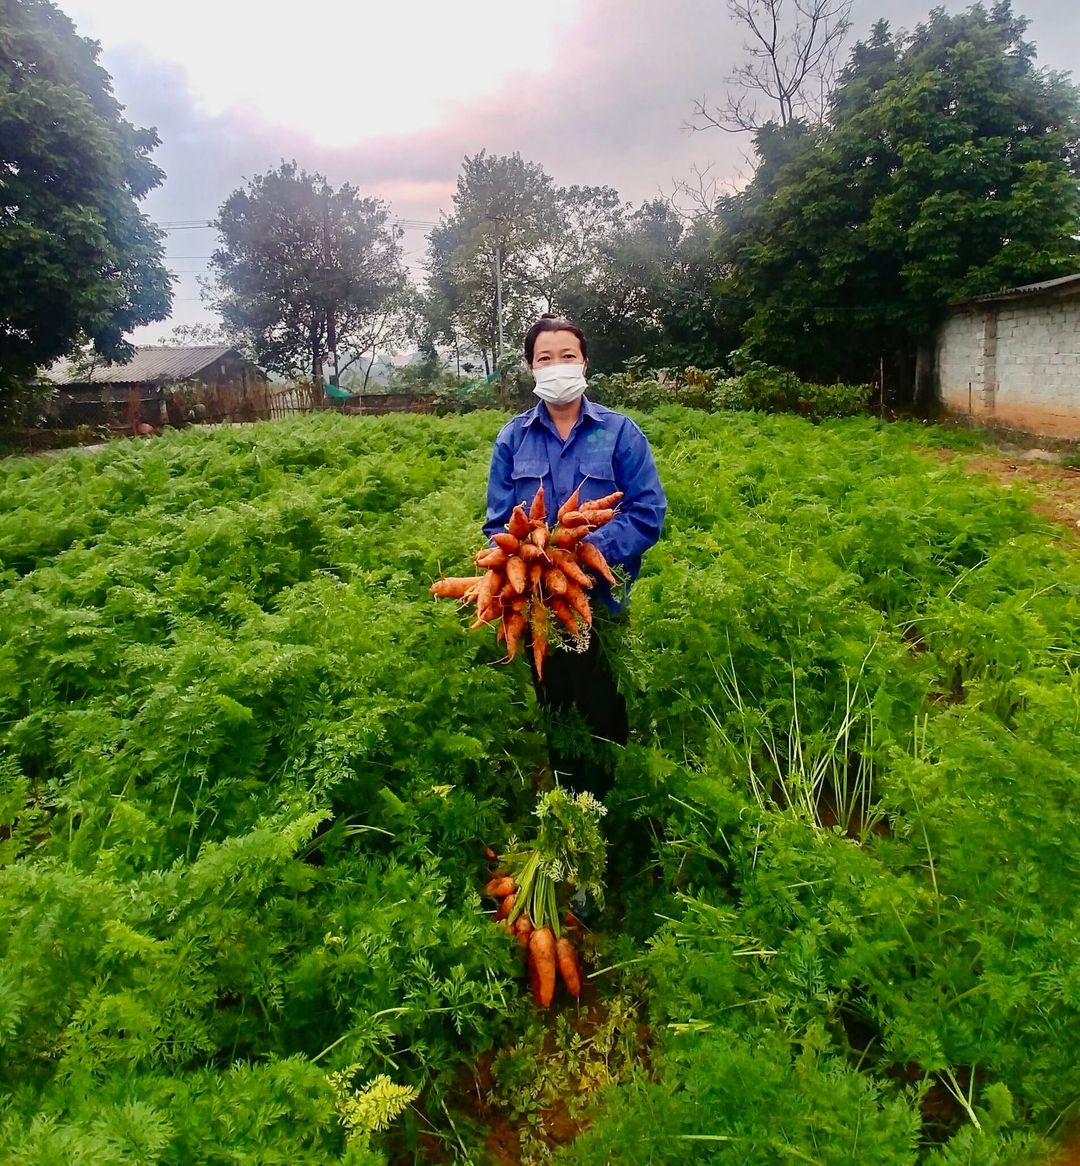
pixel 611 109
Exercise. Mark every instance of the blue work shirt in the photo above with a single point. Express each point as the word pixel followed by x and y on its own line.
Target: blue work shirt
pixel 604 452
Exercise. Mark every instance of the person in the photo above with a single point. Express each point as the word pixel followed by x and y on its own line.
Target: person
pixel 568 442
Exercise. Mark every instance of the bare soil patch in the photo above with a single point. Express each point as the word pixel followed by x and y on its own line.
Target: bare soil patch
pixel 1056 487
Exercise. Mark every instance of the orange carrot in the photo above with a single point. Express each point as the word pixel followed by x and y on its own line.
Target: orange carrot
pixel 539 638
pixel 566 957
pixel 542 957
pixel 538 511
pixel 560 609
pixel 490 586
pixel 523 929
pixel 506 541
pixel 570 504
pixel 575 518
pixel 599 517
pixel 554 581
pixel 538 536
pixel 605 502
pixel 488 614
pixel 536 573
pixel 592 557
pixel 567 536
pixel 499 887
pixel 530 552
pixel 490 854
pixel 579 602
pixel 516 573
pixel 519 524
pixel 572 923
pixel 566 563
pixel 534 971
pixel 453 588
pixel 515 625
pixel 492 557
pixel 505 907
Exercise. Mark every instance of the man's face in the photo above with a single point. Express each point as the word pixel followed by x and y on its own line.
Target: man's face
pixel 557 348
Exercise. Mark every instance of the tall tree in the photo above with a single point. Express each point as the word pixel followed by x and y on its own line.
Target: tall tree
pixel 78 261
pixel 948 168
pixel 486 250
pixel 619 303
pixel 573 224
pixel 790 55
pixel 304 270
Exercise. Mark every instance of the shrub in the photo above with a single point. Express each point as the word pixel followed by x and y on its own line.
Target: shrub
pixel 756 387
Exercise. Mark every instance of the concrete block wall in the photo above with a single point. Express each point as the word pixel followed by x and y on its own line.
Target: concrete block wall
pixel 1021 359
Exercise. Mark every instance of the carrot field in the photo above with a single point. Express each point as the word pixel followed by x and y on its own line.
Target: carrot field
pixel 248 769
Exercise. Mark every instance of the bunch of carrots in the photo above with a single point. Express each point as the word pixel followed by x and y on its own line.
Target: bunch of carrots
pixel 535 572
pixel 568 851
pixel 549 949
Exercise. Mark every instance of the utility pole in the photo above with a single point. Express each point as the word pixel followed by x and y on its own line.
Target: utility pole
pixel 498 293
pixel 331 319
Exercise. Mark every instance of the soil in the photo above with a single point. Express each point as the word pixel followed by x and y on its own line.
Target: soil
pixel 1056 487
pixel 1069 1154
pixel 554 1125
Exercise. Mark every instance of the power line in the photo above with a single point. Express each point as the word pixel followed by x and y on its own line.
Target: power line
pixel 206 224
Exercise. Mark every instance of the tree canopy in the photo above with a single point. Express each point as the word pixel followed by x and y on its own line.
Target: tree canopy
pixel 78 261
pixel 304 270
pixel 638 281
pixel 948 168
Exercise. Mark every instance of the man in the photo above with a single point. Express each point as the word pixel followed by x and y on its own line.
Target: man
pixel 567 441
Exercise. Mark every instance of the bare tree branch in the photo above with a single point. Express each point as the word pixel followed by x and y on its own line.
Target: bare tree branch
pixel 696 196
pixel 791 51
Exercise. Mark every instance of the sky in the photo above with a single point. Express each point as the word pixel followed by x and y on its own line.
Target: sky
pixel 392 96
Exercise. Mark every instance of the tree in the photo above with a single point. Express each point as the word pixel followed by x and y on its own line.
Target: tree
pixel 652 292
pixel 948 168
pixel 480 253
pixel 196 335
pixel 383 333
pixel 303 269
pixel 573 224
pixel 618 304
pixel 78 261
pixel 791 53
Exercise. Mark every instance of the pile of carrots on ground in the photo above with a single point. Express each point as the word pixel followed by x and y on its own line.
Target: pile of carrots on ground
pixel 549 948
pixel 535 571
pixel 567 854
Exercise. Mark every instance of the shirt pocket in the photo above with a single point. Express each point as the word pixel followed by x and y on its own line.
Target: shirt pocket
pixel 527 472
pixel 597 475
pixel 528 466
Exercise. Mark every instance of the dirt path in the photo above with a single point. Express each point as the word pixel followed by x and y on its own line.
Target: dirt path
pixel 1056 487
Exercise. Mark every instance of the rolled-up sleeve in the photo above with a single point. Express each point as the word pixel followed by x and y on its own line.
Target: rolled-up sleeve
pixel 640 520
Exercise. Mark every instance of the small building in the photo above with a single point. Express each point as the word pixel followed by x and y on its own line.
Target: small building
pixel 161 385
pixel 1012 358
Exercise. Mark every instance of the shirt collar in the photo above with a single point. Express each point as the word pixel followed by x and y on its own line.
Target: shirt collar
pixel 539 413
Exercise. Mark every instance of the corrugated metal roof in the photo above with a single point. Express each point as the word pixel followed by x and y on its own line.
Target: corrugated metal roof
pixel 1028 289
pixel 149 365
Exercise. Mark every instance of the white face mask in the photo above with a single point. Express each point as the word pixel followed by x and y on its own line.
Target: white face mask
pixel 559 384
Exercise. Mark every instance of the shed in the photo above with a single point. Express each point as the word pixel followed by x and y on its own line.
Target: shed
pixel 161 384
pixel 1012 358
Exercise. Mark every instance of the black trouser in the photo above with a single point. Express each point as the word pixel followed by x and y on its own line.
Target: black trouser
pixel 584 713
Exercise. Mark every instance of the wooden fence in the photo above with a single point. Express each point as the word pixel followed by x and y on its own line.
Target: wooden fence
pixel 292 401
